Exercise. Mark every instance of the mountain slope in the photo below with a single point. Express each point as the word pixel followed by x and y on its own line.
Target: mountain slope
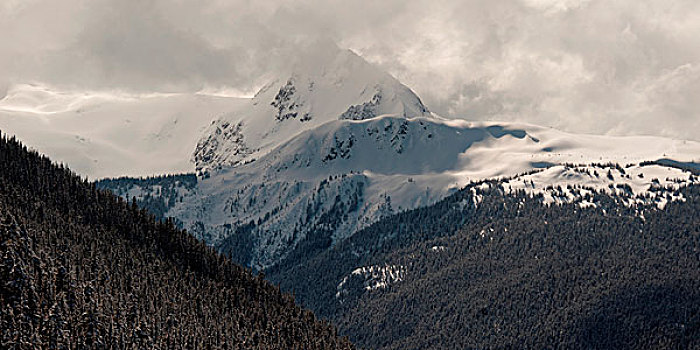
pixel 81 268
pixel 330 176
pixel 344 175
pixel 489 268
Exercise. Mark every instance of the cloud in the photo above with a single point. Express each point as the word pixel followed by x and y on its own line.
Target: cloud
pixel 148 45
pixel 623 67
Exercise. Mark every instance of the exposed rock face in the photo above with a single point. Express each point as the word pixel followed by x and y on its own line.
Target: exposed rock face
pixel 224 145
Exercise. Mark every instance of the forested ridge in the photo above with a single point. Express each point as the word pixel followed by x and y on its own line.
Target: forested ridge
pixel 82 268
pixel 483 269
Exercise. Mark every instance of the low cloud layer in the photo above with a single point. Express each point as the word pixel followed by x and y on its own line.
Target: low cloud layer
pixel 622 67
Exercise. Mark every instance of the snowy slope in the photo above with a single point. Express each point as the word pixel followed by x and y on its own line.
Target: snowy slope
pixel 346 174
pixel 358 170
pixel 111 134
pixel 332 84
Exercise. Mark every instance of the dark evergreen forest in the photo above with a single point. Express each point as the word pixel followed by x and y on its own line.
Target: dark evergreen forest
pixel 510 272
pixel 81 268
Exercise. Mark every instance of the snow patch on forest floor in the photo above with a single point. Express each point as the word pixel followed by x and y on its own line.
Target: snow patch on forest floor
pixel 373 277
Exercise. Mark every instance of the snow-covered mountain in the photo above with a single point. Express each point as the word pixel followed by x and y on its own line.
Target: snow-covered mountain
pixel 330 85
pixel 332 146
pixel 108 134
pixel 347 174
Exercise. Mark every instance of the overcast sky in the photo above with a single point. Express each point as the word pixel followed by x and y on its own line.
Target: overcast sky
pixel 599 66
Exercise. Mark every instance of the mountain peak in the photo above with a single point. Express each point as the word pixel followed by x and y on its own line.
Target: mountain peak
pixel 324 84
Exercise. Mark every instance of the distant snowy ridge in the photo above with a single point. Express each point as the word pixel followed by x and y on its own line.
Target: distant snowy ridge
pixel 112 134
pixel 635 184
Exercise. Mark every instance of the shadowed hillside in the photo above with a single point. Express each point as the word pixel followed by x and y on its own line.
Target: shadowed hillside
pixel 81 268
